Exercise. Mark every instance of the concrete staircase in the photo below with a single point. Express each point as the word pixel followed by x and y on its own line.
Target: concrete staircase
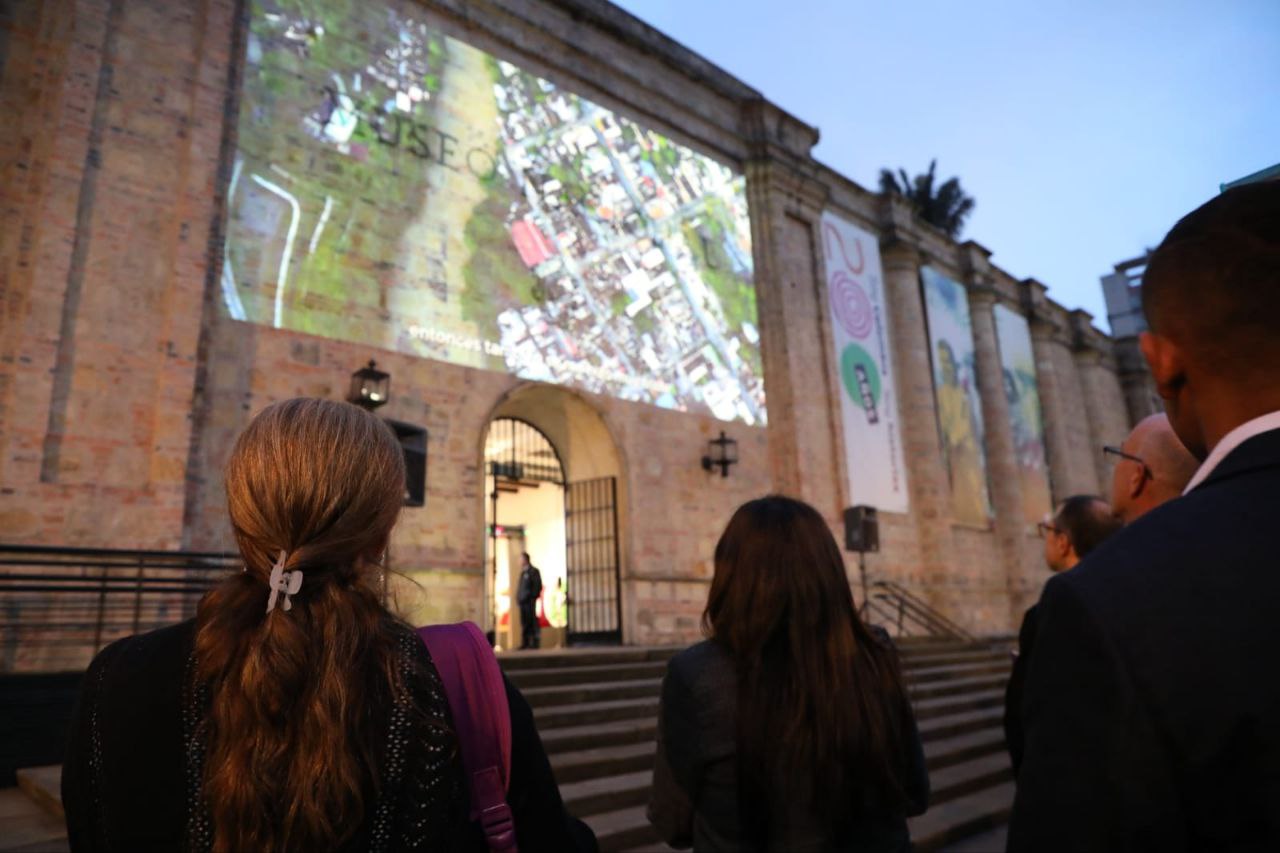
pixel 597 713
pixel 596 710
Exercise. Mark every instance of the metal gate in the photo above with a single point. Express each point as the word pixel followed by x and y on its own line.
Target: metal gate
pixel 591 559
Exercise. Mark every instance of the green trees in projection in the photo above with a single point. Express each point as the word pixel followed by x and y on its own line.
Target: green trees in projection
pixel 737 294
pixel 495 278
pixel 311 65
pixel 946 206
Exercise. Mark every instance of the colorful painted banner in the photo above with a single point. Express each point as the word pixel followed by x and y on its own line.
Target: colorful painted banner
pixel 956 388
pixel 1019 367
pixel 874 467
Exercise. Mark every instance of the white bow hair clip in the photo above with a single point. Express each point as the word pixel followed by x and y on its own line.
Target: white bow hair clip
pixel 281 581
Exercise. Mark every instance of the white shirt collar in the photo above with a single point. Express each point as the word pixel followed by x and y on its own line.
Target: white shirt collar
pixel 1230 441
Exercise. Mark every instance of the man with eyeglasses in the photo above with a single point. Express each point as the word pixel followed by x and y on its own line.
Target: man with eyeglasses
pixel 1082 523
pixel 1153 467
pixel 1151 709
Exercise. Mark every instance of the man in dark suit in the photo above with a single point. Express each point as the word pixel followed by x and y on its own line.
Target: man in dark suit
pixel 528 588
pixel 1081 524
pixel 1152 704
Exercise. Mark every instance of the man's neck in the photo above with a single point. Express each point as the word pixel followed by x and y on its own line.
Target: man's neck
pixel 1227 409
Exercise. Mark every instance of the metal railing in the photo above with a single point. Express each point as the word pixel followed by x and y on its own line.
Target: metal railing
pixel 60 606
pixel 894 607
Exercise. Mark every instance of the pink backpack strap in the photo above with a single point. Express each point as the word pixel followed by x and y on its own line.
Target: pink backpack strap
pixel 477 699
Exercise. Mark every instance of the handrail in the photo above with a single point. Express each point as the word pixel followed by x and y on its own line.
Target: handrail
pixel 60 606
pixel 909 614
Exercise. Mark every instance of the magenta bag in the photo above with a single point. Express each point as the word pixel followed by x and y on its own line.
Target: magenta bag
pixel 478 702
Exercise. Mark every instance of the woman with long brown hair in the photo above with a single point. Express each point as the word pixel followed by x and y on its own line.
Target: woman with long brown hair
pixel 295 712
pixel 789 728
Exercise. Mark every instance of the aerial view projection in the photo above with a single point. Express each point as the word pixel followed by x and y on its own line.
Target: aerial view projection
pixel 397 187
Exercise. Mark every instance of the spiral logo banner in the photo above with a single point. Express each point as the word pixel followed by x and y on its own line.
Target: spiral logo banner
pixel 852 305
pixel 874 468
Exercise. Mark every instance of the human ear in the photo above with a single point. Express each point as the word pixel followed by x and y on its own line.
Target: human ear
pixel 1137 480
pixel 1165 358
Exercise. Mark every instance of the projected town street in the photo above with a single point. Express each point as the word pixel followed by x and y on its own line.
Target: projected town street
pixel 398 187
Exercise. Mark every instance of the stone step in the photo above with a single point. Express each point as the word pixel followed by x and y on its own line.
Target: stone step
pixel 26 826
pixel 596 691
pixel 624 829
pixel 941 658
pixel 991 841
pixel 43 785
pixel 594 735
pixel 565 675
pixel 958 780
pixel 960 723
pixel 930 674
pixel 602 761
pixel 595 712
pixel 962 817
pixel 590 656
pixel 608 793
pixel 939 706
pixel 944 752
pixel 948 687
pixel 944 823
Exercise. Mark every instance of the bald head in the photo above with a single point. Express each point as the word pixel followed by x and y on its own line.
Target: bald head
pixel 1166 468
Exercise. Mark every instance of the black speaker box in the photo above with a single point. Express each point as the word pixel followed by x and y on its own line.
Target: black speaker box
pixel 861 529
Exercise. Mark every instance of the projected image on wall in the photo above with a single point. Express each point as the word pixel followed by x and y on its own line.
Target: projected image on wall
pixel 400 188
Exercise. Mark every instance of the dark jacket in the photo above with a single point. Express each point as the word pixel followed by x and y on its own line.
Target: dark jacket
pixel 695 780
pixel 127 783
pixel 1152 703
pixel 1013 737
pixel 529 587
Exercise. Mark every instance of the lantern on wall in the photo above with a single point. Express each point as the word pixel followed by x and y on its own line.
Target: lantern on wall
pixel 721 453
pixel 370 387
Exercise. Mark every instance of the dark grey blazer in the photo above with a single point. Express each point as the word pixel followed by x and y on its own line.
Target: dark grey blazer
pixel 695 781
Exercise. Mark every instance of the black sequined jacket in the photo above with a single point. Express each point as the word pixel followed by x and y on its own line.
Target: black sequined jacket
pixel 131 779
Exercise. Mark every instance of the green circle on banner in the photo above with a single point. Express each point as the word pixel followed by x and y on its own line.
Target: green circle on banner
pixel 852 358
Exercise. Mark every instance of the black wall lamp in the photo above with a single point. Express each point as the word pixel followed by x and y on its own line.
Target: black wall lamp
pixel 370 387
pixel 721 452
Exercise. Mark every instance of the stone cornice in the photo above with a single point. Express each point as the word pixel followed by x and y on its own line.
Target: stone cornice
pixel 1089 343
pixel 773 132
pixel 795 187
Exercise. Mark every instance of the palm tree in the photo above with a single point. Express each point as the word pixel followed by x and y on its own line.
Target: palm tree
pixel 945 207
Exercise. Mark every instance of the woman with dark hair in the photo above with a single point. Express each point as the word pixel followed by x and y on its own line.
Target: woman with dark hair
pixel 789 728
pixel 295 712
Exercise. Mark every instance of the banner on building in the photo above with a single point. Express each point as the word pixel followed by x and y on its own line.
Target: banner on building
pixel 956 388
pixel 874 469
pixel 1019 368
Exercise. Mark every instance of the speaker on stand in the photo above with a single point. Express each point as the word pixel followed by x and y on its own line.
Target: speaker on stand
pixel 862 534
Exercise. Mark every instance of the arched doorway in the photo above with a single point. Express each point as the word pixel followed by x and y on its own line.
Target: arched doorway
pixel 525 483
pixel 553 489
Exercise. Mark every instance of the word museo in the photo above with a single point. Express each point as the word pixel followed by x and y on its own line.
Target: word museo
pixel 421 140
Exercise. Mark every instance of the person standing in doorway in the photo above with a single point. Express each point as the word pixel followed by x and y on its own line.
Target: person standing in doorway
pixel 528 590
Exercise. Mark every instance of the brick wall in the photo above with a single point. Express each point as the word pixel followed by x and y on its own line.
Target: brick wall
pixel 123 383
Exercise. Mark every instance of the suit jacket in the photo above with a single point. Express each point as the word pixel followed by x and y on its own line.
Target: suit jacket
pixel 1152 704
pixel 1013 737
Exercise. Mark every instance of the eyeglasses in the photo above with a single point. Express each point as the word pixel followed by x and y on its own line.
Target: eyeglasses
pixel 1109 450
pixel 1044 528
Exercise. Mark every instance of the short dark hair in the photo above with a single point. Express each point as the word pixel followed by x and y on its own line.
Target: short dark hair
pixel 1087 520
pixel 1214 281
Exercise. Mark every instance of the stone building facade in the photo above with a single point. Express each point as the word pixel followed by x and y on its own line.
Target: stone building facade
pixel 123 381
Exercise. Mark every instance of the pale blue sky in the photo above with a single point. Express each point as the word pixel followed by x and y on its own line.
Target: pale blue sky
pixel 1084 129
